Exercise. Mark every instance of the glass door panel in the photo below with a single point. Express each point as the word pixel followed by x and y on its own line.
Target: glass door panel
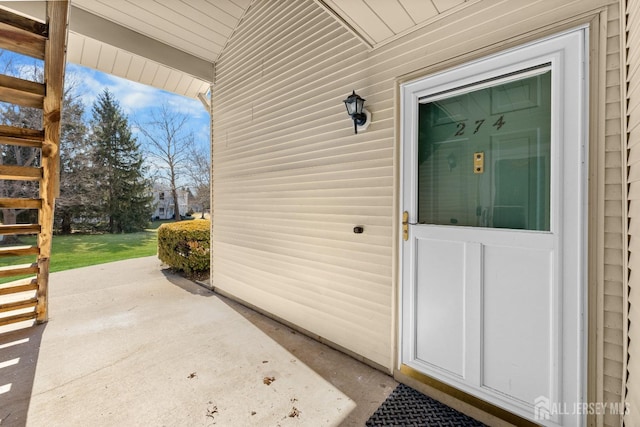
pixel 484 157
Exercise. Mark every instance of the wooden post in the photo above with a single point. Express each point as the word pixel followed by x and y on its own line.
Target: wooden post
pixel 54 65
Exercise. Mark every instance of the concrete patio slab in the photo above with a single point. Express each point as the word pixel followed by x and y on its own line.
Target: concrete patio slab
pixel 129 343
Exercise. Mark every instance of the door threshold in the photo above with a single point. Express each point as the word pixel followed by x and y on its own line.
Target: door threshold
pixel 459 400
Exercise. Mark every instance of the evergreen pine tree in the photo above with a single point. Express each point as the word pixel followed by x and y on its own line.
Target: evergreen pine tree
pixel 121 189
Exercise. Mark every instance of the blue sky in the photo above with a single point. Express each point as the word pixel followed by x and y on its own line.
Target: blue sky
pixel 137 100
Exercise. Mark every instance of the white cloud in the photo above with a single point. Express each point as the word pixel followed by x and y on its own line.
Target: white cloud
pixel 89 87
pixel 137 100
pixel 134 98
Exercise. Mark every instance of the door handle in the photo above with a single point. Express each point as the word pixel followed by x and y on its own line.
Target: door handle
pixel 405 226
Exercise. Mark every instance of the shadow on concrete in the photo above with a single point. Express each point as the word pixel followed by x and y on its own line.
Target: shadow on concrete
pixel 19 352
pixel 186 284
pixel 367 387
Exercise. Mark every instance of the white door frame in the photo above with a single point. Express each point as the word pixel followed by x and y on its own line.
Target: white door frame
pixel 567 53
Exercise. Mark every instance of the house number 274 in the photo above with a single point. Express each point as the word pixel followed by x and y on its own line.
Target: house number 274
pixel 461 126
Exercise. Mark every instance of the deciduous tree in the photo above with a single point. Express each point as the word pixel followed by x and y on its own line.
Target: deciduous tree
pixel 199 174
pixel 73 198
pixel 169 144
pixel 25 117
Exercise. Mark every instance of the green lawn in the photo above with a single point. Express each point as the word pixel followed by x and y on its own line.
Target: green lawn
pixel 81 250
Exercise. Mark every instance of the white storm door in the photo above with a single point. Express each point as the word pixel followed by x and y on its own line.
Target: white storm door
pixel 493 265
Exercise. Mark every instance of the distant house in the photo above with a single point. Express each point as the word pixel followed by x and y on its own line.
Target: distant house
pixel 163 202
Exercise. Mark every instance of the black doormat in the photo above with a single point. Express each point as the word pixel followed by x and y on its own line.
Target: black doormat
pixel 408 407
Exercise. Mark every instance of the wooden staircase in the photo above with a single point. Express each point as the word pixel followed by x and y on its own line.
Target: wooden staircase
pixel 26 299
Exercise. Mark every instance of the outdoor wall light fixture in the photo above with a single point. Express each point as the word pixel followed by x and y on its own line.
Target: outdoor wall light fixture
pixel 355 108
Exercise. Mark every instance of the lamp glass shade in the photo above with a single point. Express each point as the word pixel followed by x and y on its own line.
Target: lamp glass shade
pixel 354 104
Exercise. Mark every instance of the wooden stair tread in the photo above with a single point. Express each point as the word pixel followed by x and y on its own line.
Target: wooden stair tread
pixel 18 270
pixel 18 266
pixel 21 136
pixel 19 229
pixel 20 285
pixel 18 250
pixel 17 318
pixel 19 203
pixel 22 42
pixel 20 173
pixel 18 305
pixel 25 24
pixel 18 289
pixel 21 92
pixel 22 35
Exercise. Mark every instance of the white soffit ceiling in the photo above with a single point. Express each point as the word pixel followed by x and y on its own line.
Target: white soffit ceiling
pixel 168 44
pixel 198 27
pixel 377 22
pixel 174 44
pixel 119 62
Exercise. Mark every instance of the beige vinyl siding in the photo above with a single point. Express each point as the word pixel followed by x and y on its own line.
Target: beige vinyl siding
pixel 291 180
pixel 632 397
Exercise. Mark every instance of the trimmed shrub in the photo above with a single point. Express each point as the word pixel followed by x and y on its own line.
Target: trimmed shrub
pixel 185 245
